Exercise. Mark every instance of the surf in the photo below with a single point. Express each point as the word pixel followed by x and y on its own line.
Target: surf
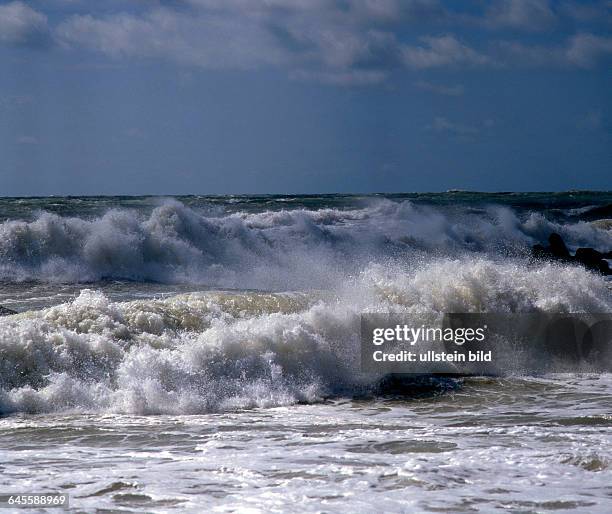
pixel 218 351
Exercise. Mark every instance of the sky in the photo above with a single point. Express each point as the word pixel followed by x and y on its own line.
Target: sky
pixel 304 96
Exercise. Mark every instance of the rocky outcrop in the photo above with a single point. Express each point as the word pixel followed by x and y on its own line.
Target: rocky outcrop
pixel 593 259
pixel 588 257
pixel 555 251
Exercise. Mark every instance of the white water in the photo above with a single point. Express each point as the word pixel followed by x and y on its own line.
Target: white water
pixel 180 396
pixel 213 351
pixel 492 446
pixel 280 250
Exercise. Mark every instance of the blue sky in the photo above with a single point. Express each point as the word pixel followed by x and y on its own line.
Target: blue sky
pixel 304 96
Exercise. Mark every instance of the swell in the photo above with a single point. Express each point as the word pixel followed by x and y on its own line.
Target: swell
pixel 273 249
pixel 215 351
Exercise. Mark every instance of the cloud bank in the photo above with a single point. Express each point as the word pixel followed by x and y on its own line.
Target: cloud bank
pixel 20 25
pixel 340 42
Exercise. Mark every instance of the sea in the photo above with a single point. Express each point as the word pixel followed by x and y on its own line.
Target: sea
pixel 201 354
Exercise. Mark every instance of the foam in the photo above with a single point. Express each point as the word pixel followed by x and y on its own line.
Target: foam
pixel 214 351
pixel 286 249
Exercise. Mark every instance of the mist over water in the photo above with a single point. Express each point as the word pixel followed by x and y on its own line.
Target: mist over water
pixel 244 311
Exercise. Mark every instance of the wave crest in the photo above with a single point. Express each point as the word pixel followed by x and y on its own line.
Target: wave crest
pixel 212 351
pixel 285 249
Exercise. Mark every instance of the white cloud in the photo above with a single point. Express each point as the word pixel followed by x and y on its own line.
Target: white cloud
pixel 441 124
pixel 27 140
pixel 461 131
pixel 333 11
pixel 581 50
pixel 22 25
pixel 520 14
pixel 599 12
pixel 212 42
pixel 440 89
pixel 585 50
pixel 341 42
pixel 220 35
pixel 442 51
pixel 347 78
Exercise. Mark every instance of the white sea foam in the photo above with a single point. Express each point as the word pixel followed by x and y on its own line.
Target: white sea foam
pixel 213 351
pixel 281 250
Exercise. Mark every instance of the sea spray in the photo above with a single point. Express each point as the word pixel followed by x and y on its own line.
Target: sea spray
pixel 215 351
pixel 266 249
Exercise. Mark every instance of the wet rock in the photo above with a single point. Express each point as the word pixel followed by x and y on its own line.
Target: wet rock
pixel 588 257
pixel 557 246
pixel 555 251
pixel 593 259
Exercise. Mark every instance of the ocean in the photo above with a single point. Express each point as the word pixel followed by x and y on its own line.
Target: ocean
pixel 201 354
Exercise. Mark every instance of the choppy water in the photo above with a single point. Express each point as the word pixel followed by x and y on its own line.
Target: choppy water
pixel 202 353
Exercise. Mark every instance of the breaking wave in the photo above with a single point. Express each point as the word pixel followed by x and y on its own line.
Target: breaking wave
pixel 214 351
pixel 273 249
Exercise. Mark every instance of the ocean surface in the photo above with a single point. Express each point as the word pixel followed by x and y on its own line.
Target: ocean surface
pixel 201 354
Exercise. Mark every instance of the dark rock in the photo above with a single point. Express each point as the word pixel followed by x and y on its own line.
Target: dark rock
pixel 593 259
pixel 557 246
pixel 588 257
pixel 556 251
pixel 5 311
